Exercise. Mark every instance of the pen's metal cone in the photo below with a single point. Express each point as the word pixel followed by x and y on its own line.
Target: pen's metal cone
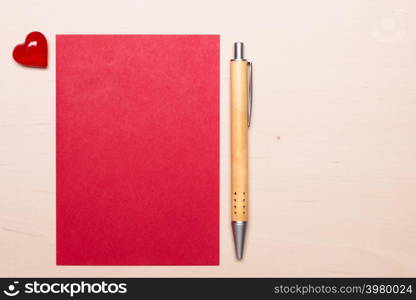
pixel 239 232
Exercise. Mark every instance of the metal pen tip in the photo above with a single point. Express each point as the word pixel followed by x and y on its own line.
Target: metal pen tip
pixel 239 232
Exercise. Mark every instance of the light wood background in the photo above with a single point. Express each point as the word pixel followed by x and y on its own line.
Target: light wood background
pixel 332 143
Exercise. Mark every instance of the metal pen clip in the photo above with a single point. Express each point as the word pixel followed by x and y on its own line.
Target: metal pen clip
pixel 250 92
pixel 239 55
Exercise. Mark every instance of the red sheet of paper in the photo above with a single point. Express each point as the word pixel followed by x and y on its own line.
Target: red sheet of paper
pixel 137 125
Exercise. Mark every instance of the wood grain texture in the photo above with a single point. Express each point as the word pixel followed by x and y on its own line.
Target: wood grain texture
pixel 332 141
pixel 239 140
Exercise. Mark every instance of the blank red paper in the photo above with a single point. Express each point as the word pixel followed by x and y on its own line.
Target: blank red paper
pixel 137 125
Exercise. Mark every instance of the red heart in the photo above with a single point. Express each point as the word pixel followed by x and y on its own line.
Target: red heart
pixel 33 52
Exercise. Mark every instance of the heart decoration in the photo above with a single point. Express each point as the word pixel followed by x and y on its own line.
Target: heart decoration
pixel 33 52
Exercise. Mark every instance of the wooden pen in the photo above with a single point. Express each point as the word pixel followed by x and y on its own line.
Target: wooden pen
pixel 241 99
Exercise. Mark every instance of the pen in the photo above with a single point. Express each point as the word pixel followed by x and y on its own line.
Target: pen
pixel 241 101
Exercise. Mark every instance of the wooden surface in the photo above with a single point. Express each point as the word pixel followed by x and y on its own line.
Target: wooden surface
pixel 332 143
pixel 239 140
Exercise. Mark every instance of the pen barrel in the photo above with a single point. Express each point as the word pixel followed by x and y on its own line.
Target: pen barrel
pixel 239 140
